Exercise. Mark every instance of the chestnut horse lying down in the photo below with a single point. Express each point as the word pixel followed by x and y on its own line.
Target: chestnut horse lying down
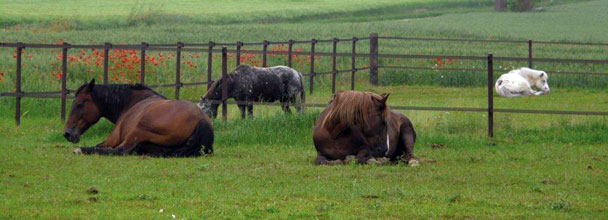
pixel 361 124
pixel 146 122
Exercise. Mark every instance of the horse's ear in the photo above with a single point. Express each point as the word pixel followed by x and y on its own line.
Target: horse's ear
pixel 385 97
pixel 543 74
pixel 333 96
pixel 90 85
pixel 382 101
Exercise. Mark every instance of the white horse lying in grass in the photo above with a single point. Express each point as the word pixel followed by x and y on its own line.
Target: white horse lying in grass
pixel 519 83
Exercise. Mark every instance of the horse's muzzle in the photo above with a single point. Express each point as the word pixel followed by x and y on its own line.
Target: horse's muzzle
pixel 71 135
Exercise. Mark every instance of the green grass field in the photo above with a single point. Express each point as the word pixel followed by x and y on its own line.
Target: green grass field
pixel 537 166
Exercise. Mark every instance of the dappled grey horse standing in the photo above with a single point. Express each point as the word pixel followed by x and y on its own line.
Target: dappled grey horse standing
pixel 255 84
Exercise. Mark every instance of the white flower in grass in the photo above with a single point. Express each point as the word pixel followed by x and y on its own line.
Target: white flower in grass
pixel 161 211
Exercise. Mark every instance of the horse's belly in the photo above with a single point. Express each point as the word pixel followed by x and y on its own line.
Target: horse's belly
pixel 269 94
pixel 168 122
pixel 334 148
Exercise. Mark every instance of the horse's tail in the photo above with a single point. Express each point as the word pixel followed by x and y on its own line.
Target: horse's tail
pixel 302 94
pixel 202 135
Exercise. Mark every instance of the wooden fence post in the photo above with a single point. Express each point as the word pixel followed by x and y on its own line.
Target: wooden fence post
pixel 64 77
pixel 210 64
pixel 289 53
pixel 178 61
pixel 500 5
pixel 106 54
pixel 18 84
pixel 490 96
pixel 334 69
pixel 354 64
pixel 265 51
pixel 373 59
pixel 238 52
pixel 530 54
pixel 312 64
pixel 224 84
pixel 142 75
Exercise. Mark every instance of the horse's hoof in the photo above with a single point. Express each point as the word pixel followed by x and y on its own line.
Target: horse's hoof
pixel 373 161
pixel 77 151
pixel 335 162
pixel 383 160
pixel 413 163
pixel 349 158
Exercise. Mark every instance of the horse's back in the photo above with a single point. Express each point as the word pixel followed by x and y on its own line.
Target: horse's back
pixel 173 120
pixel 269 83
pixel 511 85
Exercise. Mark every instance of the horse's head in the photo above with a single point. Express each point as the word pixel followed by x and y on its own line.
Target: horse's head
pixel 541 83
pixel 206 105
pixel 363 113
pixel 214 93
pixel 84 113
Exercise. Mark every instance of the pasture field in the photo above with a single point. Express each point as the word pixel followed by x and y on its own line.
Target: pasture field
pixel 537 166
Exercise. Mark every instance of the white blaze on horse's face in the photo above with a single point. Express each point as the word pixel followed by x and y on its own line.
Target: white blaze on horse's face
pixel 205 105
pixel 541 83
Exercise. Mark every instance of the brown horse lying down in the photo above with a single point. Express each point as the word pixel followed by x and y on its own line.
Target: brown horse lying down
pixel 146 122
pixel 361 124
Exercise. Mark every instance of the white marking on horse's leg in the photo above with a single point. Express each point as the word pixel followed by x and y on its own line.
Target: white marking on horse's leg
pixel 413 163
pixel 77 151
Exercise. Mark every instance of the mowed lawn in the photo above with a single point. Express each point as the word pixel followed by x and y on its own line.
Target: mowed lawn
pixel 537 166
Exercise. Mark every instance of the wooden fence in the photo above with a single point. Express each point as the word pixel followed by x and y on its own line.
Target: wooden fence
pixel 373 68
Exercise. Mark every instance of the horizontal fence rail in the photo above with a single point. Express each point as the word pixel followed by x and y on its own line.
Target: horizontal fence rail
pixel 237 49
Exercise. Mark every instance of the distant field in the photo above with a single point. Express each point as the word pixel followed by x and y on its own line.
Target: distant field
pixel 112 14
pixel 537 166
pixel 536 26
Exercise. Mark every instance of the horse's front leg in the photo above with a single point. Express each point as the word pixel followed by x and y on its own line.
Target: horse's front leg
pixel 242 109
pixel 214 110
pixel 87 150
pixel 113 145
pixel 111 141
pixel 123 150
pixel 537 93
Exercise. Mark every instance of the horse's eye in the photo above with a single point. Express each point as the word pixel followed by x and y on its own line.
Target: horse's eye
pixel 79 105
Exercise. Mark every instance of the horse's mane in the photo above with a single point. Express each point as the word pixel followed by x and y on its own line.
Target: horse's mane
pixel 530 73
pixel 112 98
pixel 211 89
pixel 351 109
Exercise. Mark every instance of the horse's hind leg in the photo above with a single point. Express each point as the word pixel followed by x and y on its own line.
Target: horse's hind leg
pixel 321 159
pixel 250 110
pixel 363 156
pixel 298 105
pixel 285 106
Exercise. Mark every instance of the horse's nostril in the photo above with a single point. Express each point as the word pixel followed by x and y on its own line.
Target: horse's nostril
pixel 66 135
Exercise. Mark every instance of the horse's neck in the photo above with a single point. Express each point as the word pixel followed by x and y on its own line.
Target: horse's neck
pixel 528 74
pixel 215 93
